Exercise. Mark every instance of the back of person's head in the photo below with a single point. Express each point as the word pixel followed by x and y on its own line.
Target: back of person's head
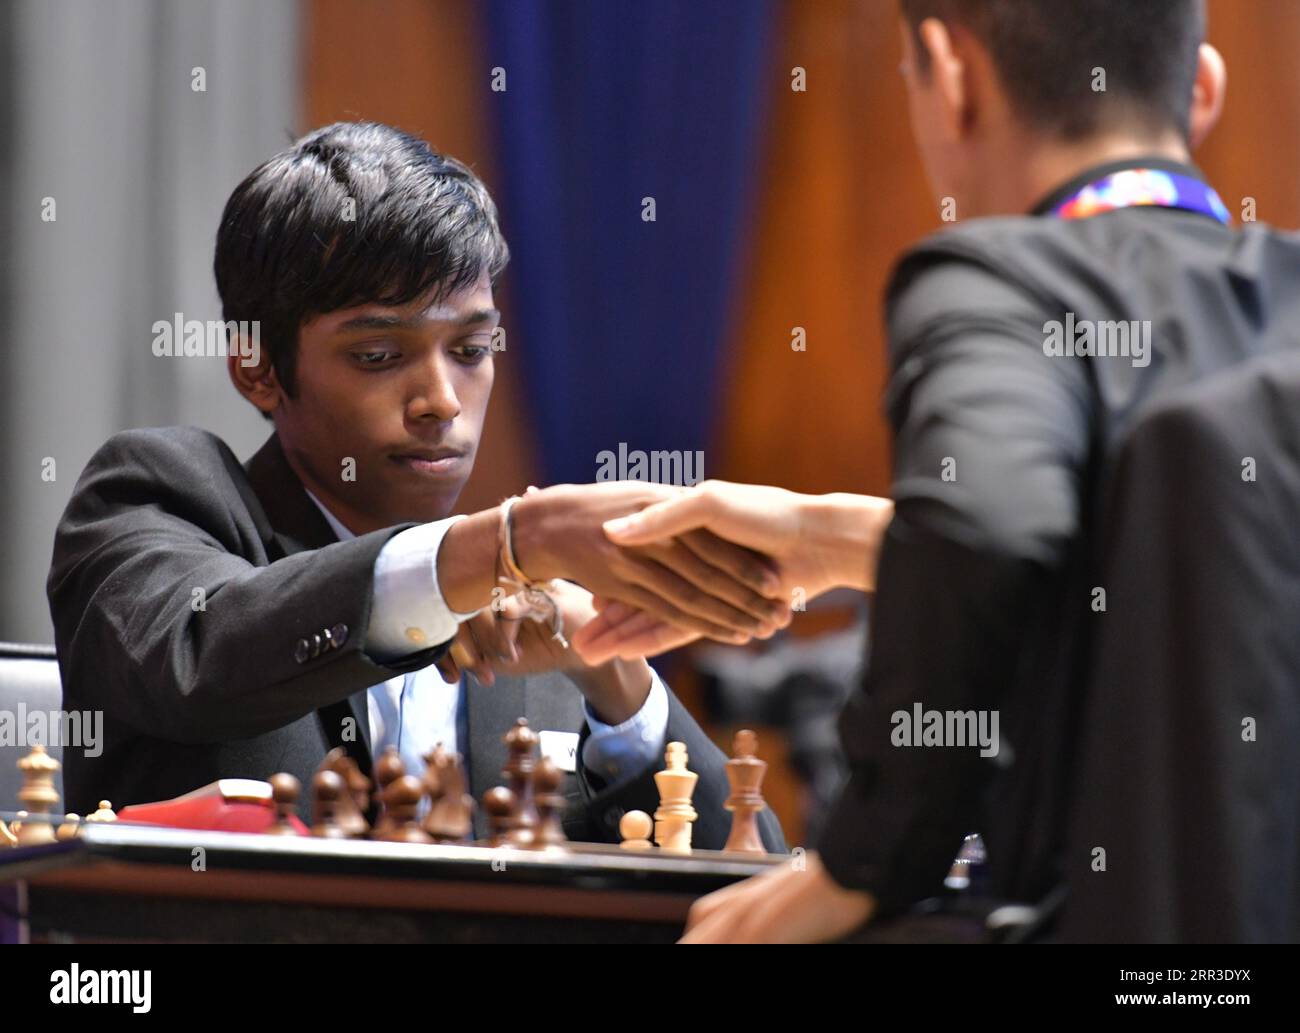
pixel 352 213
pixel 1049 55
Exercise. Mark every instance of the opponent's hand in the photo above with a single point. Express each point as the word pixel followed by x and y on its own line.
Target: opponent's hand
pixel 803 534
pixel 816 542
pixel 789 904
pixel 623 632
pixel 697 581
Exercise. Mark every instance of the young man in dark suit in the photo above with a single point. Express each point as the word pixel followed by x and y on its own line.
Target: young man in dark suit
pixel 239 620
pixel 1094 308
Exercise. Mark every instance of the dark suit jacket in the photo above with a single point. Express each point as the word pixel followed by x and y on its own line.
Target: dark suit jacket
pixel 208 610
pixel 985 589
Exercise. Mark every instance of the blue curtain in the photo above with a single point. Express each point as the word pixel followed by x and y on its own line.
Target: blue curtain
pixel 620 324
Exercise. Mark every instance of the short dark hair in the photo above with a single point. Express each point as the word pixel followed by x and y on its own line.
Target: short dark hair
pixel 286 250
pixel 1045 53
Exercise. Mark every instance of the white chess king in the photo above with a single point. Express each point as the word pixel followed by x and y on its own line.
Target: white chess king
pixel 675 814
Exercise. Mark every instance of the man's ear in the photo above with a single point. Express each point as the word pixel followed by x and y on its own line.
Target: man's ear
pixel 253 374
pixel 1208 94
pixel 947 75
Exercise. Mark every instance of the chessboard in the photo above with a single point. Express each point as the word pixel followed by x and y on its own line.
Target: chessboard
pixel 525 812
pixel 412 874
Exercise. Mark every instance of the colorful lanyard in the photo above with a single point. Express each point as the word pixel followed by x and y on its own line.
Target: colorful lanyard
pixel 1130 188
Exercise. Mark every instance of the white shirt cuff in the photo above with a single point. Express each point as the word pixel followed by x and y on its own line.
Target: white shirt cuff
pixel 408 612
pixel 618 753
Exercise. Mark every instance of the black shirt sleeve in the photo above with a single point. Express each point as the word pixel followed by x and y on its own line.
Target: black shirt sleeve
pixel 990 438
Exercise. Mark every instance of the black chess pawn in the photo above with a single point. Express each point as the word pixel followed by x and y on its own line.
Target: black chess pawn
pixel 285 790
pixel 351 812
pixel 499 807
pixel 401 802
pixel 329 794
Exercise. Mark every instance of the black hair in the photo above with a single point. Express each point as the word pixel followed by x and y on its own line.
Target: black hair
pixel 354 212
pixel 1045 53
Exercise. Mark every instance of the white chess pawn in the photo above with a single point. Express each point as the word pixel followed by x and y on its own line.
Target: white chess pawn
pixel 634 828
pixel 105 813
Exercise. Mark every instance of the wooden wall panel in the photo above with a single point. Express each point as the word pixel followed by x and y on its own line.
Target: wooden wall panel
pixel 843 194
pixel 1255 151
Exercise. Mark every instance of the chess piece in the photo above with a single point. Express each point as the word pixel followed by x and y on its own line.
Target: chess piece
pixel 38 793
pixel 521 744
pixel 401 801
pixel 103 815
pixel 359 787
pixel 70 829
pixel 547 779
pixel 350 811
pixel 7 838
pixel 451 816
pixel 285 790
pixel 329 795
pixel 388 769
pixel 634 828
pixel 499 806
pixel 676 785
pixel 435 782
pixel 745 773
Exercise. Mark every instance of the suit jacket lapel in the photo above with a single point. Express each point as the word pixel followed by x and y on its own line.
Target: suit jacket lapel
pixel 295 524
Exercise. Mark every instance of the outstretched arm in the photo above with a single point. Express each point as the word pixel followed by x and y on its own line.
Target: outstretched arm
pixel 697 581
pixel 817 542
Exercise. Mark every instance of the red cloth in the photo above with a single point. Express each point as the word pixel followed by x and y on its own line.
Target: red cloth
pixel 210 813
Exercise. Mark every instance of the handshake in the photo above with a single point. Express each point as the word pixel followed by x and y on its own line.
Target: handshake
pixel 661 566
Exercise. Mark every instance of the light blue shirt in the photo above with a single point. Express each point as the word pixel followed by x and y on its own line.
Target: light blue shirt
pixel 417 711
